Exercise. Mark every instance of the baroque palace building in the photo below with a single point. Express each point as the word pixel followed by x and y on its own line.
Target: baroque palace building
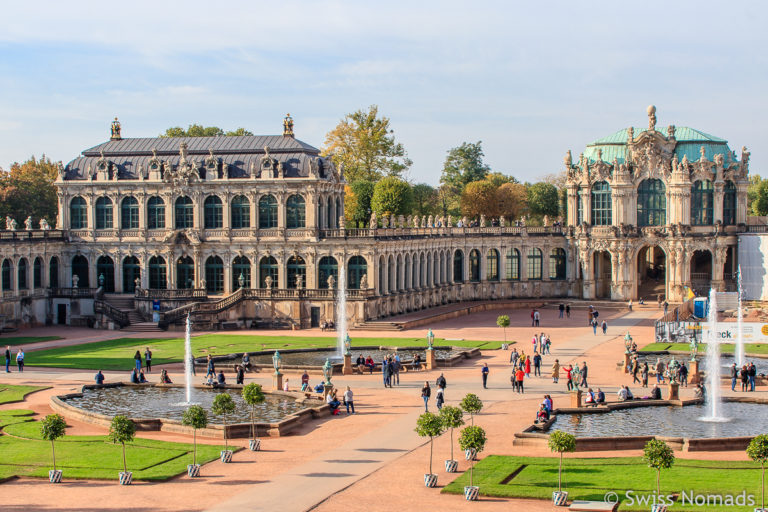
pixel 250 230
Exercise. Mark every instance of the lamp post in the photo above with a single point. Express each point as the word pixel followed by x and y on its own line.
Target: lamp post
pixel 347 368
pixel 430 339
pixel 277 378
pixel 431 363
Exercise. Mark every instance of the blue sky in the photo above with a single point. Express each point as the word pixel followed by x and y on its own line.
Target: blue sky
pixel 531 80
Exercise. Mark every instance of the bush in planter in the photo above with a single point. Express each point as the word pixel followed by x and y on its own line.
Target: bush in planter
pixel 123 430
pixel 195 417
pixel 253 395
pixel 452 417
pixel 758 452
pixel 53 427
pixel 658 455
pixel 561 442
pixel 472 438
pixel 471 404
pixel 222 406
pixel 429 425
pixel 503 322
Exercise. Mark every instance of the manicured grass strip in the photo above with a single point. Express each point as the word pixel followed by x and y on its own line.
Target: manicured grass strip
pixel 725 348
pixel 118 354
pixel 14 393
pixel 591 479
pixel 25 340
pixel 24 453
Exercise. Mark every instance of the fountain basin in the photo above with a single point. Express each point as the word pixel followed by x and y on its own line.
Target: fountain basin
pixel 158 407
pixel 726 360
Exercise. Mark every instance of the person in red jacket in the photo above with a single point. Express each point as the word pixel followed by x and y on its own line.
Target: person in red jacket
pixel 519 375
pixel 528 366
pixel 568 377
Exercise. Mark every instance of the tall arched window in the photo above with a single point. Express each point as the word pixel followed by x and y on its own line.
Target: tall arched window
pixel 296 267
pixel 651 203
pixel 241 212
pixel 241 266
pixel 295 212
pixel 23 273
pixel 268 267
pixel 534 263
pixel 78 213
pixel 458 267
pixel 326 268
pixel 184 213
pixel 339 213
pixel 213 213
pixel 80 269
pixel 185 273
pixel 729 203
pixel 513 265
pixel 557 263
pixel 214 275
pixel 105 273
pixel 155 213
pixel 357 267
pixel 702 203
pixel 37 273
pixel 53 273
pixel 104 213
pixel 601 204
pixel 579 206
pixel 267 212
pixel 129 213
pixel 329 214
pixel 131 273
pixel 492 265
pixel 157 273
pixel 6 277
pixel 474 265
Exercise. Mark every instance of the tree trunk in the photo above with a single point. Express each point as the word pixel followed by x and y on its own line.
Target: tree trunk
pixel 430 455
pixel 471 471
pixel 253 427
pixel 194 446
pixel 125 465
pixel 560 474
pixel 53 450
pixel 451 443
pixel 762 487
pixel 505 335
pixel 658 482
pixel 226 446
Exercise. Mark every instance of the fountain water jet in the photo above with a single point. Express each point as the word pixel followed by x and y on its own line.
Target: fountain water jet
pixel 341 312
pixel 188 361
pixel 713 364
pixel 740 332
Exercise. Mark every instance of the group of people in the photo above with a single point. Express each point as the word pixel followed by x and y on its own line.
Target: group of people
pixel 440 383
pixel 545 410
pixel 747 374
pixel 19 359
pixel 147 360
pixel 333 402
pixel 328 325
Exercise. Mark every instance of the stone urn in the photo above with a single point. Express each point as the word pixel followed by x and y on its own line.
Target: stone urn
pixel 430 480
pixel 226 456
pixel 559 498
pixel 54 476
pixel 451 466
pixel 126 477
pixel 193 470
pixel 254 445
pixel 471 492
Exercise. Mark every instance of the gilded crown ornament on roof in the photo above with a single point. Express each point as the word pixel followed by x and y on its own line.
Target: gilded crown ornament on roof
pixel 115 130
pixel 288 126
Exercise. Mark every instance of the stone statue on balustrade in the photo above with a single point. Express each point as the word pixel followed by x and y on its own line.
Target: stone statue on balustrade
pixel 373 223
pixel 364 282
pixel 331 282
pixel 44 225
pixel 28 223
pixel 268 282
pixel 10 224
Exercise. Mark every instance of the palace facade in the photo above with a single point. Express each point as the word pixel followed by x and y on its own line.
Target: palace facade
pixel 250 230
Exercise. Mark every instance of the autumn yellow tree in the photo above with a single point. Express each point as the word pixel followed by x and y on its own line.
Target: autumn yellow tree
pixel 27 189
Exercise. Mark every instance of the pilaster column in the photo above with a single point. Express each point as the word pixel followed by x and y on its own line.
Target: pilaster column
pixel 717 212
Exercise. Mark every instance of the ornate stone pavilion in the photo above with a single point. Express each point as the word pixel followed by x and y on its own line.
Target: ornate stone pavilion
pixel 250 230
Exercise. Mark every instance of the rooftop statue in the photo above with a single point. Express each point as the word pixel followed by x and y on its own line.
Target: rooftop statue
pixel 115 130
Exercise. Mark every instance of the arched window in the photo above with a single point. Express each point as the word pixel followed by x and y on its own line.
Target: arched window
pixel 295 212
pixel 267 212
pixel 241 212
pixel 458 267
pixel 268 267
pixel 105 273
pixel 241 266
pixel 155 213
pixel 23 273
pixel 157 273
pixel 339 213
pixel 557 263
pixel 129 213
pixel 6 278
pixel 213 213
pixel 513 265
pixel 601 204
pixel 329 215
pixel 492 265
pixel 214 274
pixel 37 273
pixel 326 268
pixel 104 213
pixel 185 273
pixel 534 263
pixel 702 203
pixel 131 272
pixel 729 203
pixel 80 269
pixel 579 206
pixel 296 267
pixel 78 213
pixel 357 267
pixel 651 203
pixel 53 273
pixel 474 265
pixel 184 213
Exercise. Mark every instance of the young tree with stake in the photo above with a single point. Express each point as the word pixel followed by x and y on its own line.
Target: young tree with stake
pixel 561 442
pixel 53 427
pixel 195 417
pixel 758 452
pixel 429 425
pixel 253 395
pixel 223 405
pixel 471 404
pixel 503 322
pixel 472 438
pixel 122 430
pixel 658 455
pixel 452 417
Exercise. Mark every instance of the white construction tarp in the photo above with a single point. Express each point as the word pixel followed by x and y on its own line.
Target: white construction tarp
pixel 753 258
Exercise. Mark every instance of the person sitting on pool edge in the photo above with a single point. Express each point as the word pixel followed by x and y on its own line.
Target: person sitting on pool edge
pixel 333 402
pixel 370 364
pixel 221 380
pixel 99 378
pixel 164 378
pixel 600 397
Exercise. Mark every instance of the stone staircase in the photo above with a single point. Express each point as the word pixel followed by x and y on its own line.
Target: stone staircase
pixel 125 303
pixel 379 326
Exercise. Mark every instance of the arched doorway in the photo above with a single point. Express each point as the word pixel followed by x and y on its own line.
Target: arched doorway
pixel 603 268
pixel 105 273
pixel 131 272
pixel 701 272
pixel 185 273
pixel 651 273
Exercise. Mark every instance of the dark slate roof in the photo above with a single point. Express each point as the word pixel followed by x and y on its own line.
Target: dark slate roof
pixel 237 152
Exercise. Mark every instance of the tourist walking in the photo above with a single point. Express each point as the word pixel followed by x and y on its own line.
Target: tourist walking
pixel 644 374
pixel 20 360
pixel 485 375
pixel 682 374
pixel 137 359
pixel 349 400
pixel 569 382
pixel 744 378
pixel 527 366
pixel 148 360
pixel 7 359
pixel 536 364
pixel 635 370
pixel 440 382
pixel 536 317
pixel 513 357
pixel 192 364
pixel 594 327
pixel 568 311
pixel 547 345
pixel 240 374
pixel 519 376
pixel 604 327
pixel 659 371
pixel 439 398
pixel 385 372
pixel 556 371
pixel 533 318
pixel 584 370
pixel 211 367
pixel 425 394
pixel 561 309
pixel 752 374
pixel 396 370
pixel 734 376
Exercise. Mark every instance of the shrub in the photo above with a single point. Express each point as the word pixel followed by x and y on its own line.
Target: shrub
pixel 561 442
pixel 195 417
pixel 53 427
pixel 429 425
pixel 471 404
pixel 122 430
pixel 658 455
pixel 452 417
pixel 222 406
pixel 472 438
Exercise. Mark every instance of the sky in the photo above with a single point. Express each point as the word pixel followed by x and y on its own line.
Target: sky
pixel 530 80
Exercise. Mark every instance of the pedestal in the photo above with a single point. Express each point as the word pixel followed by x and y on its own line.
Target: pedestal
pixel 673 391
pixel 576 398
pixel 347 368
pixel 431 363
pixel 693 372
pixel 277 381
pixel 627 362
pixel 327 388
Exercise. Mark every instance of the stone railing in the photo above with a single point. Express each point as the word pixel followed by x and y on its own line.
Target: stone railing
pixel 188 293
pixel 34 234
pixel 73 292
pixel 439 232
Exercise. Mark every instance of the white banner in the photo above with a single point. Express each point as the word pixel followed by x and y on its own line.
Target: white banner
pixel 727 332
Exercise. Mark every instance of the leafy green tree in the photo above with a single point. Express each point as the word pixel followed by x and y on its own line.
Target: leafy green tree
pixel 223 405
pixel 758 452
pixel 452 417
pixel 543 199
pixel 429 425
pixel 658 455
pixel 391 196
pixel 503 322
pixel 122 430
pixel 471 404
pixel 472 438
pixel 479 198
pixel 27 189
pixel 512 200
pixel 253 395
pixel 757 195
pixel 364 144
pixel 198 130
pixel 195 417
pixel 357 202
pixel 463 165
pixel 561 442
pixel 425 199
pixel 52 427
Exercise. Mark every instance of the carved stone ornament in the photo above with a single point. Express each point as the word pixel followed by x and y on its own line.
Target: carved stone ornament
pixel 268 164
pixel 185 173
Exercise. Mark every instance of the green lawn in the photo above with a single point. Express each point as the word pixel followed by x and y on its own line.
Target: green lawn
pixel 591 479
pixel 24 453
pixel 725 348
pixel 25 340
pixel 14 393
pixel 118 354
